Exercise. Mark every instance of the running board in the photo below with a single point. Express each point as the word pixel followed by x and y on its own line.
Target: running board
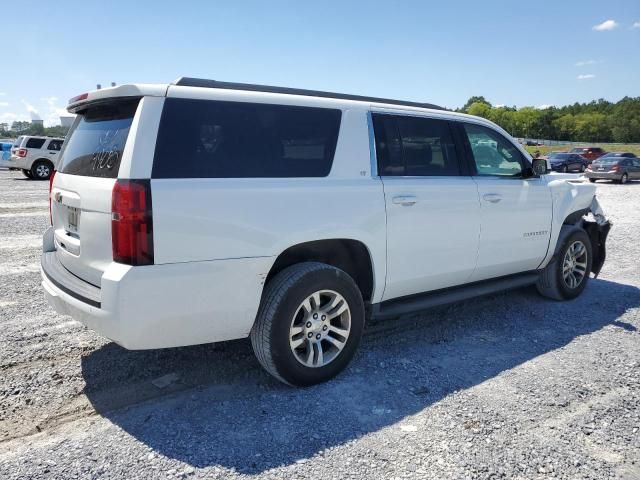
pixel 424 301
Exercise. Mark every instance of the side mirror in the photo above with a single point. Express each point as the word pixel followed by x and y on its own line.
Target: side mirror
pixel 539 166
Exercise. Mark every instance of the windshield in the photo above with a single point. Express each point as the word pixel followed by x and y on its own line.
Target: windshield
pixel 615 154
pixel 577 150
pixel 97 139
pixel 606 161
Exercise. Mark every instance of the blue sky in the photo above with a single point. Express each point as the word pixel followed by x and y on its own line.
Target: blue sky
pixel 514 53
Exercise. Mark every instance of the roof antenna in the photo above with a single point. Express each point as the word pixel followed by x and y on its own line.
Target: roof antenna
pixel 98 87
pixel 113 84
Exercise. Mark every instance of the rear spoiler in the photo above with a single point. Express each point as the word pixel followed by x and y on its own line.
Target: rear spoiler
pixel 80 102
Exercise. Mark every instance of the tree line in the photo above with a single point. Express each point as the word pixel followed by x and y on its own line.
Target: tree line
pixel 596 121
pixel 18 128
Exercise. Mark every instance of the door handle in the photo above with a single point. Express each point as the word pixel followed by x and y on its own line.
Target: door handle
pixel 405 200
pixel 492 197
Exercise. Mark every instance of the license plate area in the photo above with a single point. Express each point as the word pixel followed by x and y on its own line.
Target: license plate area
pixel 73 220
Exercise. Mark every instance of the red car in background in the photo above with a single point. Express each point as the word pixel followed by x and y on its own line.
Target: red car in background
pixel 590 153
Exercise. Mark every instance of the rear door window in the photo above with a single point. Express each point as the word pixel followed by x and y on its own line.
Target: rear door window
pixel 214 139
pixel 55 145
pixel 35 143
pixel 414 146
pixel 95 143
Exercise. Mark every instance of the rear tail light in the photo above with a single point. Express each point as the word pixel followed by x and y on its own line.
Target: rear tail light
pixel 615 168
pixel 22 152
pixel 132 222
pixel 589 167
pixel 53 174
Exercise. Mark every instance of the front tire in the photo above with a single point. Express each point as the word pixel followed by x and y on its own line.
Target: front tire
pixel 309 324
pixel 564 169
pixel 624 178
pixel 592 180
pixel 41 170
pixel 567 275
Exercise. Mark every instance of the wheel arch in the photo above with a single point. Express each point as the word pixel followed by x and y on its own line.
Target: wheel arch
pixel 352 256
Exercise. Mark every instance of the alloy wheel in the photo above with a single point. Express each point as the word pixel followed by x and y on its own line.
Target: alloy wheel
pixel 42 171
pixel 574 265
pixel 320 328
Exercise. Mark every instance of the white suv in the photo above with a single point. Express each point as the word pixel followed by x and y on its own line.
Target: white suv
pixel 203 211
pixel 37 157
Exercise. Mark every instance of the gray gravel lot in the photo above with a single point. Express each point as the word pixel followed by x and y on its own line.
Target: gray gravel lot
pixel 507 386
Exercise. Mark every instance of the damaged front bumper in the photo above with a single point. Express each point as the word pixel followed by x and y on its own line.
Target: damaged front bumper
pixel 597 227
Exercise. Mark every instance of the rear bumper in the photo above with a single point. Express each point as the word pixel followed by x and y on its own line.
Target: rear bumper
pixel 19 162
pixel 162 306
pixel 603 175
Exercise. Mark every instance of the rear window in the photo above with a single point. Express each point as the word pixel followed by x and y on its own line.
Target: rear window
pixel 95 143
pixel 212 139
pixel 18 141
pixel 35 143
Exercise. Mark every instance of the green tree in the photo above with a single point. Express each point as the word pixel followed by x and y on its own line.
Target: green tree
pixel 472 100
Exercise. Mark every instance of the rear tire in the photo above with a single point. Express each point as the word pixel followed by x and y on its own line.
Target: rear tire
pixel 41 170
pixel 564 169
pixel 292 337
pixel 624 178
pixel 567 275
pixel 27 173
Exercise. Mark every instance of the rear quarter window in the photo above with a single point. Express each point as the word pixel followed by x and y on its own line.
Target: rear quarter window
pixel 214 139
pixel 95 143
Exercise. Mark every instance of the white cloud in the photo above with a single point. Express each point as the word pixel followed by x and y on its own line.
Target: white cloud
pixel 9 116
pixel 4 104
pixel 544 106
pixel 587 76
pixel 606 25
pixel 55 111
pixel 583 63
pixel 635 25
pixel 2 94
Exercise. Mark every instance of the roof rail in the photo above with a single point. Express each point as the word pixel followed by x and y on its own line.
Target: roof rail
pixel 200 82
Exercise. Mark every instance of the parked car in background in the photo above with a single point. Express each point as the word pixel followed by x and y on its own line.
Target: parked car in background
pixel 567 162
pixel 620 167
pixel 205 211
pixel 5 153
pixel 590 153
pixel 37 157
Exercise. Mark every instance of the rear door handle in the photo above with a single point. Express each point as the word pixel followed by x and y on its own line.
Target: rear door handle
pixel 492 197
pixel 405 200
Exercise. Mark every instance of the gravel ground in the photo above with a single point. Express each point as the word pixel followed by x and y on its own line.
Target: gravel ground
pixel 507 386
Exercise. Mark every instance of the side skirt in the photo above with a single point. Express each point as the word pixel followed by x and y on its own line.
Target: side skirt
pixel 423 301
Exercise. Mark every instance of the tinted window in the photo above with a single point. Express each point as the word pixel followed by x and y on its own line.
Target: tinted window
pixel 493 154
pixel 95 143
pixel 35 143
pixel 414 146
pixel 210 139
pixel 55 145
pixel 560 156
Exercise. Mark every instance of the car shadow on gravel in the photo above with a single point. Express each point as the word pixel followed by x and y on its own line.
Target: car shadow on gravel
pixel 213 405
